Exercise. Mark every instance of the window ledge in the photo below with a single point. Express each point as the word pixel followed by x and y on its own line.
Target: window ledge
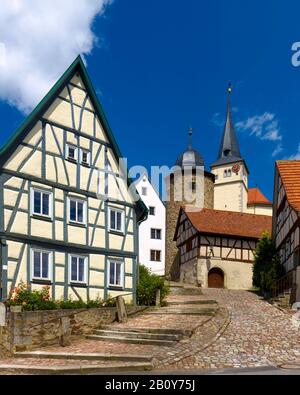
pixel 115 232
pixel 86 165
pixel 74 161
pixel 77 224
pixel 41 218
pixel 78 285
pixel 41 282
pixel 115 288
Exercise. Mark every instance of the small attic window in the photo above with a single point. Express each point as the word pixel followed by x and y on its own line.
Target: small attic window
pixel 227 152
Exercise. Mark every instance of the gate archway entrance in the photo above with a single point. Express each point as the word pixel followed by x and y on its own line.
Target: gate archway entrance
pixel 216 278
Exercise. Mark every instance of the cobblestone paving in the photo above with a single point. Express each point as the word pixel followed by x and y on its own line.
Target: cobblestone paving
pixel 258 335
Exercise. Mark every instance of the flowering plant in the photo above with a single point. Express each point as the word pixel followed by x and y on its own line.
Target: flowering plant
pixel 30 300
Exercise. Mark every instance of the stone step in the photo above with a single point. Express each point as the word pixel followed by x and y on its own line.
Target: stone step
pixel 185 311
pixel 192 302
pixel 185 291
pixel 84 356
pixel 138 335
pixel 168 331
pixel 79 368
pixel 120 339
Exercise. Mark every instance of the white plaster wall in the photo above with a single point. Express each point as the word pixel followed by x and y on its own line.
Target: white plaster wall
pixel 237 275
pixel 146 244
pixel 260 210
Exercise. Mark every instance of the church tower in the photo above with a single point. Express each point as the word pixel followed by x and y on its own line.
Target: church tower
pixel 230 170
pixel 190 158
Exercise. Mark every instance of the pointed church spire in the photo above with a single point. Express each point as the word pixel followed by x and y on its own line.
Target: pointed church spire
pixel 229 150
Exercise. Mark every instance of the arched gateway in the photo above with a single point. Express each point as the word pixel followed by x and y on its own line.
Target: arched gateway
pixel 216 278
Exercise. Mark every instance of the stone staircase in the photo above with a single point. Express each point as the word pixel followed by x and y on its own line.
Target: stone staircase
pixel 283 300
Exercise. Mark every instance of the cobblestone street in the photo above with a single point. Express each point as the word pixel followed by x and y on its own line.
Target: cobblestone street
pixel 258 335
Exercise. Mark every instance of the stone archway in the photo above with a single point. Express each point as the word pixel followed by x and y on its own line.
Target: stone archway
pixel 216 278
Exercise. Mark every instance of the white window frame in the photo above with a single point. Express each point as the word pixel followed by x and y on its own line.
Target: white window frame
pixel 70 221
pixel 122 231
pixel 85 281
pixel 116 261
pixel 67 152
pixel 50 265
pixel 88 163
pixel 42 191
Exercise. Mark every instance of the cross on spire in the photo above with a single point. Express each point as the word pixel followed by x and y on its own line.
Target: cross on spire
pixel 191 131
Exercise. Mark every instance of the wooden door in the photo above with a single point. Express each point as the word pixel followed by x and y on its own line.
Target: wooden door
pixel 216 278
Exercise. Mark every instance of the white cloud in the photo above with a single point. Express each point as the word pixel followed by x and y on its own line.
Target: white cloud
pixel 41 39
pixel 296 156
pixel 265 127
pixel 277 150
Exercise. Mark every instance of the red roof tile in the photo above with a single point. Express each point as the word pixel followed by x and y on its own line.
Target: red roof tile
pixel 229 223
pixel 289 171
pixel 255 196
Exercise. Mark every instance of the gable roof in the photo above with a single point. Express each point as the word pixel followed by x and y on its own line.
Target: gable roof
pixel 256 197
pixel 228 223
pixel 76 67
pixel 289 171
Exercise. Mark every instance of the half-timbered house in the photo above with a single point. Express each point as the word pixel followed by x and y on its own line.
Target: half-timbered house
pixel 286 224
pixel 217 247
pixel 67 216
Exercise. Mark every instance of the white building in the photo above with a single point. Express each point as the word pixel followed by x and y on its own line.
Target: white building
pixel 152 233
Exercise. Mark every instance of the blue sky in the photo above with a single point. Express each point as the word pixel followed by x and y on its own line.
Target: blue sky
pixel 162 65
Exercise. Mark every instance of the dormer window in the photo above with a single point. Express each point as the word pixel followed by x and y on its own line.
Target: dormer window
pixel 227 153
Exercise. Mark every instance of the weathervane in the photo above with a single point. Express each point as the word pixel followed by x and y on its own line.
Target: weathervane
pixel 190 138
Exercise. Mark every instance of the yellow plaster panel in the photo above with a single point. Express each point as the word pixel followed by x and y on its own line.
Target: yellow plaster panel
pixel 89 105
pixel 81 291
pixel 60 112
pixel 59 274
pixel 128 266
pixel 115 242
pixel 71 138
pixel 14 182
pixel 96 294
pixel 60 258
pixel 87 123
pixel 51 173
pixel 34 135
pixel 128 298
pixel 41 228
pixel 78 95
pixel 76 80
pixel 129 244
pixel 59 230
pixel 97 262
pixel 85 143
pixel 77 112
pixel 76 235
pixel 7 216
pixel 14 249
pixel 54 145
pixel 10 197
pixel 20 223
pixel 100 134
pixel 59 194
pixel 128 282
pixel 99 239
pixel 59 209
pixel 96 279
pixel 72 172
pixel 33 164
pixel 24 202
pixel 20 154
pixel 59 292
pixel 65 94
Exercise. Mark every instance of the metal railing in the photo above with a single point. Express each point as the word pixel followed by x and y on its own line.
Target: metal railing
pixel 285 284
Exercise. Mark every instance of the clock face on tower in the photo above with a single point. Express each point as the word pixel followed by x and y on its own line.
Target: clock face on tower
pixel 236 168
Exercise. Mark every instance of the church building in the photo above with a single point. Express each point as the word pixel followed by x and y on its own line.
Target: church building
pixel 215 246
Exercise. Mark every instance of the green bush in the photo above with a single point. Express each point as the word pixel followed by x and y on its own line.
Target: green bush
pixel 147 286
pixel 267 268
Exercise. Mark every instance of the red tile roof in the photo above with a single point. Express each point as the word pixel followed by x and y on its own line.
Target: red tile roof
pixel 229 223
pixel 289 171
pixel 256 197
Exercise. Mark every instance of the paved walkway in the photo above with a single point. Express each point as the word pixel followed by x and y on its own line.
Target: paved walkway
pixel 258 335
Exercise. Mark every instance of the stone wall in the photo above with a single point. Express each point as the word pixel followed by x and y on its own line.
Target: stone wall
pixel 33 330
pixel 172 212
